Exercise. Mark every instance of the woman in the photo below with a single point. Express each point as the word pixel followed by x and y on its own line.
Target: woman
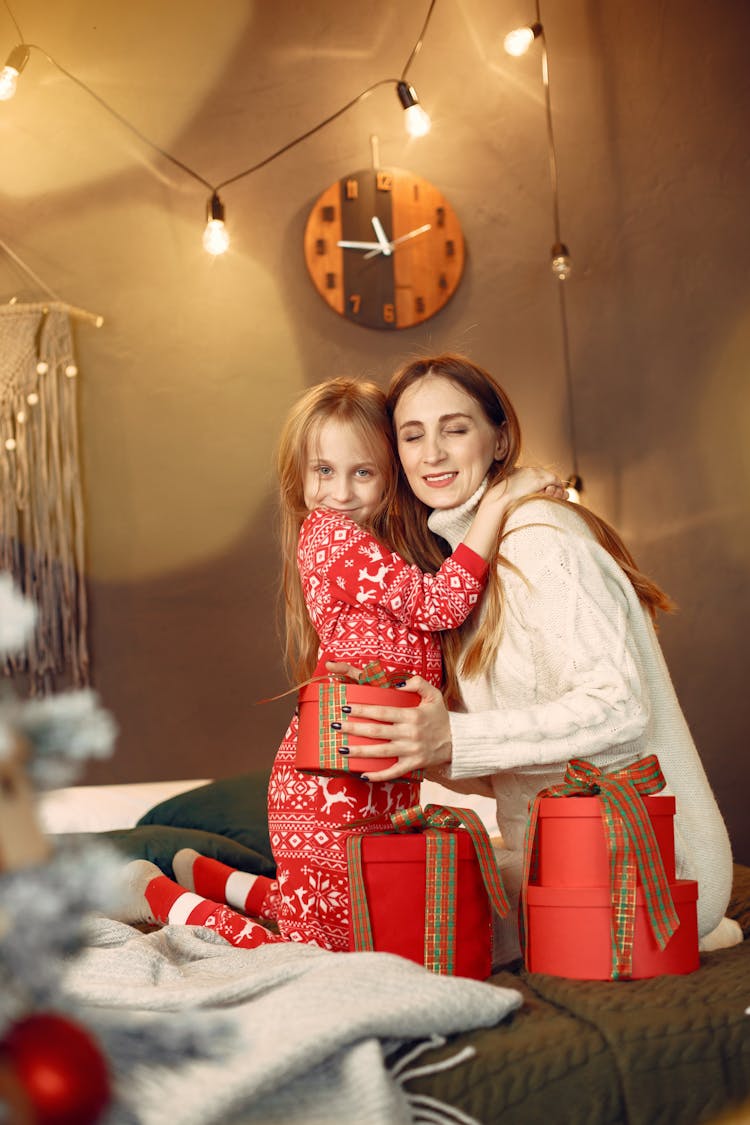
pixel 561 661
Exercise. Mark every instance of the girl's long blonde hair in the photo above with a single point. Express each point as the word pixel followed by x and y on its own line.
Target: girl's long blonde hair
pixel 428 552
pixel 361 406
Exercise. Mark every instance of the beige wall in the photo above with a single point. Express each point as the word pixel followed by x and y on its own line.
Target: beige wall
pixel 184 388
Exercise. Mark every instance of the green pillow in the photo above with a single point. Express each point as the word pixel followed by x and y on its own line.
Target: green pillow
pixel 234 807
pixel 160 843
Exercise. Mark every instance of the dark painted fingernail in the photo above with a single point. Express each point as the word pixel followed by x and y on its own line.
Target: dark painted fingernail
pixel 343 749
pixel 401 683
pixel 346 709
pixel 364 777
pixel 335 726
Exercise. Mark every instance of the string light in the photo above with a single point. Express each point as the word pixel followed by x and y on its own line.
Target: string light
pixel 215 236
pixel 416 118
pixel 518 41
pixel 561 263
pixel 15 63
pixel 575 488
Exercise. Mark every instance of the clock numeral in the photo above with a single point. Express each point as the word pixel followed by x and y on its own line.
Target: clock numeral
pixel 450 248
pixel 328 213
pixel 443 281
pixel 352 189
pixel 355 300
pixel 320 246
pixel 440 216
pixel 330 281
pixel 389 313
pixel 419 304
pixel 384 181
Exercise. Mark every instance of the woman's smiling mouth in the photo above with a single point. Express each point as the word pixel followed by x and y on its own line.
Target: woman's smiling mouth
pixel 440 480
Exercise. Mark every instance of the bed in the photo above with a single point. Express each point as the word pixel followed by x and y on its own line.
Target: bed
pixel 655 1052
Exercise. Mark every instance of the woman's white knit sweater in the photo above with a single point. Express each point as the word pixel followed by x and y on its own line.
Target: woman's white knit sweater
pixel 578 674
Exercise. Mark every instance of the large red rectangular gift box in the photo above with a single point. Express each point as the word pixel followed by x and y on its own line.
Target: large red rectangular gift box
pixel 395 879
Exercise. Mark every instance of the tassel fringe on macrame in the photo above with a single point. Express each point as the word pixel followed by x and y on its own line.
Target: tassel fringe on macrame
pixel 41 514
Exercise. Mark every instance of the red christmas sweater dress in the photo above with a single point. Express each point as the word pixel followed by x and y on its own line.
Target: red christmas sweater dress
pixel 366 603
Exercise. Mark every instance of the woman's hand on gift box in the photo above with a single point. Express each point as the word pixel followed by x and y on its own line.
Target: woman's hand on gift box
pixel 420 737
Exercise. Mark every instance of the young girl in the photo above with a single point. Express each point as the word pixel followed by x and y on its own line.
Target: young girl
pixel 348 597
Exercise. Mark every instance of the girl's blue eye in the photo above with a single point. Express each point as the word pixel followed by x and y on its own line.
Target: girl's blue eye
pixel 364 472
pixel 324 470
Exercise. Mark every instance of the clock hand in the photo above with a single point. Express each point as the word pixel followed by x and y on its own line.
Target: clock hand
pixel 403 238
pixel 382 237
pixel 375 246
pixel 412 234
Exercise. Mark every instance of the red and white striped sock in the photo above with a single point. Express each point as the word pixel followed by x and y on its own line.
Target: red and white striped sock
pixel 174 905
pixel 256 895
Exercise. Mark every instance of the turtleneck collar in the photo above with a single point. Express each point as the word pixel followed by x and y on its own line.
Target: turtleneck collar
pixel 452 524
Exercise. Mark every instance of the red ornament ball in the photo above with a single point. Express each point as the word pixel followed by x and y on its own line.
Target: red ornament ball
pixel 60 1068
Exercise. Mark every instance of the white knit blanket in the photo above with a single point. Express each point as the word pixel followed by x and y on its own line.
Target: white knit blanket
pixel 309 1030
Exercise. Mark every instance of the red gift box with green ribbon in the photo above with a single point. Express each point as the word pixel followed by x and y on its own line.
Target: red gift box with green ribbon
pixel 426 890
pixel 320 704
pixel 600 899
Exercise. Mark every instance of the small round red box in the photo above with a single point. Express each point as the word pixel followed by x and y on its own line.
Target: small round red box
pixel 308 741
pixel 569 933
pixel 572 844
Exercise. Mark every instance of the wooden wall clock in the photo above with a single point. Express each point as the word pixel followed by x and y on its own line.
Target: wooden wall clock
pixel 384 248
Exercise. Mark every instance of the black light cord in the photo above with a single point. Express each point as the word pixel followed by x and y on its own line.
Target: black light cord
pixel 213 188
pixel 418 45
pixel 564 329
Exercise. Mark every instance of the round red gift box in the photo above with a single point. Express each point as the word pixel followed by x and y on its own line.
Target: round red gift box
pixel 569 933
pixel 308 738
pixel 572 844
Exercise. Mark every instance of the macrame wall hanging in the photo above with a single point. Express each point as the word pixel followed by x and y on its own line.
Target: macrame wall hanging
pixel 41 513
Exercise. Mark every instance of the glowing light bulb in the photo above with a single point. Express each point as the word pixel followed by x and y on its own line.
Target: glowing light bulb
pixel 10 444
pixel 575 488
pixel 416 118
pixel 215 236
pixel 42 367
pixel 71 370
pixel 32 398
pixel 518 41
pixel 15 63
pixel 21 417
pixel 561 263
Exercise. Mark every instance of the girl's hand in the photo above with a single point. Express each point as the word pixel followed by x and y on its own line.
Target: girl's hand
pixel 525 482
pixel 419 737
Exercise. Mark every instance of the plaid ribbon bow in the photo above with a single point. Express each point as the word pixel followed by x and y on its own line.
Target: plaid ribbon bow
pixel 438 823
pixel 630 843
pixel 332 699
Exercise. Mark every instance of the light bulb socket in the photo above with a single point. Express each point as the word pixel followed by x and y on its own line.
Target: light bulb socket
pixel 407 95
pixel 536 29
pixel 18 57
pixel 560 261
pixel 215 209
pixel 576 482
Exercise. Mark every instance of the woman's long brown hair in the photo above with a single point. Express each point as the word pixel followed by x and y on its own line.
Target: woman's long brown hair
pixel 428 552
